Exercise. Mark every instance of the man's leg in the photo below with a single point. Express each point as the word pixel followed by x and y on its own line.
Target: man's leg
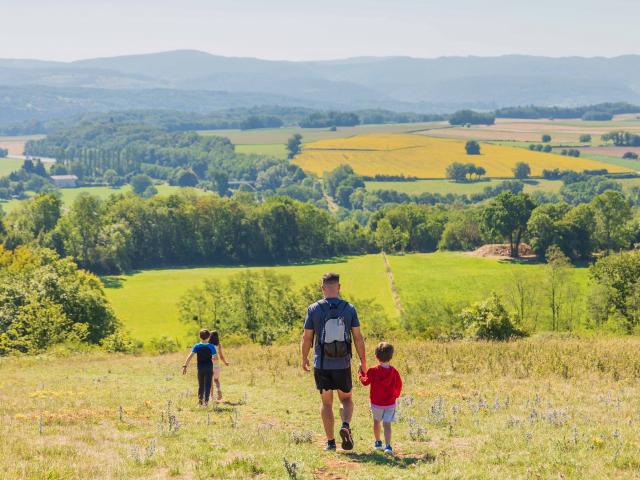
pixel 346 406
pixel 326 412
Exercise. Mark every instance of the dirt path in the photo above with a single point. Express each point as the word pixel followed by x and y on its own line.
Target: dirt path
pixel 392 283
pixel 333 206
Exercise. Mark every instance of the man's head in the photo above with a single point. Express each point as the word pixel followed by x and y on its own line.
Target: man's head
pixel 204 334
pixel 330 285
pixel 384 352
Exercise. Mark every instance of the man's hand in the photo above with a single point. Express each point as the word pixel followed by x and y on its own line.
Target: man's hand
pixel 305 364
pixel 363 369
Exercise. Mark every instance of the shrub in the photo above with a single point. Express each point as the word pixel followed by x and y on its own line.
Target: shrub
pixel 489 320
pixel 546 138
pixel 472 147
pixel 164 345
pixel 630 156
pixel 121 342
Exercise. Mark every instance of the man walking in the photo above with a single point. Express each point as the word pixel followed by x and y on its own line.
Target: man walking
pixel 332 326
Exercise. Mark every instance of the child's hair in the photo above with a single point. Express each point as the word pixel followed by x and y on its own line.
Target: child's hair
pixel 384 352
pixel 204 334
pixel 214 339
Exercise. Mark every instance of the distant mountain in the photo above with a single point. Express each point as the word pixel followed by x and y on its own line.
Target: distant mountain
pixel 189 79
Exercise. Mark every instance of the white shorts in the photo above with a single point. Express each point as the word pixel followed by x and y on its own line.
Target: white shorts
pixel 216 371
pixel 386 415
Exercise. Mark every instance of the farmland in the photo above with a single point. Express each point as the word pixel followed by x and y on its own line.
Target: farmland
pixel 537 408
pixel 428 157
pixel 8 165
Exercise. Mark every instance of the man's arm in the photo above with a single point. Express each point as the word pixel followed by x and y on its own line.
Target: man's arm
pixel 305 347
pixel 358 340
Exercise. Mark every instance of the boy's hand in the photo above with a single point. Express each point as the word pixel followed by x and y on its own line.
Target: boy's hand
pixel 226 364
pixel 305 365
pixel 184 369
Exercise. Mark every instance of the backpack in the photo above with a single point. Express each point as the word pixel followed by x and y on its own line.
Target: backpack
pixel 335 338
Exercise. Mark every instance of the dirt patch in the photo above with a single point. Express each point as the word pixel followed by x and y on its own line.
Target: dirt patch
pixel 334 469
pixel 502 250
pixel 610 150
pixel 14 147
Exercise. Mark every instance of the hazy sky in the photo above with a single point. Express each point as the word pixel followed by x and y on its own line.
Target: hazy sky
pixel 320 29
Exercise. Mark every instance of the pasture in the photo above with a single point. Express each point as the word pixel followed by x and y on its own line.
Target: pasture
pixel 428 157
pixel 277 150
pixel 8 165
pixel 537 408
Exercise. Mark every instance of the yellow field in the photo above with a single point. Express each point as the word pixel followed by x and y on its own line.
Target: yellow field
pixel 428 157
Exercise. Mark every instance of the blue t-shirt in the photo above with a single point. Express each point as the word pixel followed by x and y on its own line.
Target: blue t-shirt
pixel 204 352
pixel 315 321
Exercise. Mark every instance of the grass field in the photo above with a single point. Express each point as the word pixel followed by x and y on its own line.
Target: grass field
pixel 458 278
pixel 428 157
pixel 147 301
pixel 8 165
pixel 68 195
pixel 277 150
pixel 445 186
pixel 541 408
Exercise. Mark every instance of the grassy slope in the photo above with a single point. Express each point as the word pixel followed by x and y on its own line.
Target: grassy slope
pixel 146 301
pixel 278 150
pixel 527 409
pixel 446 186
pixel 8 165
pixel 458 278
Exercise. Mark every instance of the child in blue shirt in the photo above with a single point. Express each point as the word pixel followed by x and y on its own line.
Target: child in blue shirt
pixel 205 354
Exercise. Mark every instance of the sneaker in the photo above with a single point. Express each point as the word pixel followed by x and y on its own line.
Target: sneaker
pixel 388 449
pixel 377 445
pixel 330 446
pixel 347 439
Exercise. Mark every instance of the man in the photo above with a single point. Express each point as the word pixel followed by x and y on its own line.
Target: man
pixel 332 324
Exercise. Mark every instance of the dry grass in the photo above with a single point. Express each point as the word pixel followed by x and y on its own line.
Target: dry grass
pixel 428 157
pixel 541 408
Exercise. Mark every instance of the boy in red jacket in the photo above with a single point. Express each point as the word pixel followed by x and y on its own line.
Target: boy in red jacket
pixel 386 386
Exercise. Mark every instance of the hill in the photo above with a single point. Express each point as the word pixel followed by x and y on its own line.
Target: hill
pixel 398 83
pixel 428 157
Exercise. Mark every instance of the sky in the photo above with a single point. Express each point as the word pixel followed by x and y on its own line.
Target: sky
pixel 318 29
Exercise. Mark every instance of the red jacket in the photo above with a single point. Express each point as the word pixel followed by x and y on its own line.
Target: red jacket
pixel 386 385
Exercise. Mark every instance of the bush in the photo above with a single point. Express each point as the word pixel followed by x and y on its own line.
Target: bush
pixel 546 138
pixel 164 345
pixel 630 156
pixel 489 320
pixel 472 147
pixel 120 342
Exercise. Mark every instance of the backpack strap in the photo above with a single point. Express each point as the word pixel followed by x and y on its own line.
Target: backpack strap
pixel 326 309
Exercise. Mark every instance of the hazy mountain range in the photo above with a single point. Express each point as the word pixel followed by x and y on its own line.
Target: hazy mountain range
pixel 196 81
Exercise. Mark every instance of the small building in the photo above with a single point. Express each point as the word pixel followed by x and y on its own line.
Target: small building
pixel 65 181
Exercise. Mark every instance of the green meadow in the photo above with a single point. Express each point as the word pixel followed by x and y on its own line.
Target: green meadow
pixel 146 301
pixel 445 186
pixel 8 165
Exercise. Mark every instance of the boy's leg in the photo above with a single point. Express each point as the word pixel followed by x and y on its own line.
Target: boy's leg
pixel 326 412
pixel 376 429
pixel 207 383
pixel 201 384
pixel 387 432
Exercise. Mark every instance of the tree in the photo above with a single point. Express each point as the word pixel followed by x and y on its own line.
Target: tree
pixel 630 155
pixel 293 145
pixel 480 172
pixel 457 172
pixel 140 183
pixel 546 138
pixel 4 152
pixel 521 170
pixel 557 274
pixel 472 147
pixel 111 177
pixel 186 178
pixel 507 216
pixel 612 212
pixel 585 138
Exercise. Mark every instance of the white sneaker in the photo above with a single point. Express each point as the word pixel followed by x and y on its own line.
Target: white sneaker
pixel 378 445
pixel 388 449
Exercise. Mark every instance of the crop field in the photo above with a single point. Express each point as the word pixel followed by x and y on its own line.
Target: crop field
pixel 539 408
pixel 15 144
pixel 428 157
pixel 563 132
pixel 272 136
pixel 147 301
pixel 446 186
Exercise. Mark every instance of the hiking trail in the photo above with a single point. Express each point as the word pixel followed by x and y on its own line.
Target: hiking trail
pixel 392 283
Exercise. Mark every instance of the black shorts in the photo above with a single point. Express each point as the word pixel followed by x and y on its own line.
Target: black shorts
pixel 333 379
